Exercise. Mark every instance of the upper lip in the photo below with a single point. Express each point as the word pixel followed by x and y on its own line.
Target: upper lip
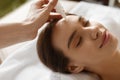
pixel 103 38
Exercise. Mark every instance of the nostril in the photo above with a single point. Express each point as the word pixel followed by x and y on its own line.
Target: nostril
pixel 97 35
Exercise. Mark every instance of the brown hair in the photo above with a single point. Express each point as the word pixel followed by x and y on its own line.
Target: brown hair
pixel 49 55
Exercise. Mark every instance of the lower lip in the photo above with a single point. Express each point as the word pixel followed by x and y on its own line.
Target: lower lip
pixel 106 39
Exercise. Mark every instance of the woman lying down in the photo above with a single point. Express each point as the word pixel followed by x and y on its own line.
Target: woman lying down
pixel 74 45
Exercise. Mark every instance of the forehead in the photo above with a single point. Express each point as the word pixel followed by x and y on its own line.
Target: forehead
pixel 68 22
pixel 69 19
pixel 63 30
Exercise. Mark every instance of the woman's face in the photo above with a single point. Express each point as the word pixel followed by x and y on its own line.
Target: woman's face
pixel 82 41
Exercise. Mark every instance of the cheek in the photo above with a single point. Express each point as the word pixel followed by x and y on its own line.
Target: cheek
pixel 88 48
pixel 88 53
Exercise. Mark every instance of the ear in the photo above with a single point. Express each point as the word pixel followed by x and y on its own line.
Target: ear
pixel 74 68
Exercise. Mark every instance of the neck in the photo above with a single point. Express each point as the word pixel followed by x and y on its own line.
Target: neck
pixel 109 69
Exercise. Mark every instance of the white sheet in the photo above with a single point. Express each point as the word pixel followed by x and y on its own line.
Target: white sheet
pixel 23 64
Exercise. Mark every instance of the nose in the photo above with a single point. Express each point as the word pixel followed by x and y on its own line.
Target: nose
pixel 93 32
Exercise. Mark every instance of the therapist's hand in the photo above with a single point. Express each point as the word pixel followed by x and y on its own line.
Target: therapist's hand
pixel 41 11
pixel 13 33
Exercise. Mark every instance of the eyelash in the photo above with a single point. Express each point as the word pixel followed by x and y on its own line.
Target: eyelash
pixel 80 39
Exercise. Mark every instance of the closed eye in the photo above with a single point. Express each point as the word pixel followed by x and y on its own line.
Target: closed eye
pixel 79 41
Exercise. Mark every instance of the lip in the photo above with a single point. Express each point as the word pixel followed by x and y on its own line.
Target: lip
pixel 105 38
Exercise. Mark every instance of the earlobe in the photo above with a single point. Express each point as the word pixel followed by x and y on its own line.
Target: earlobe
pixel 75 68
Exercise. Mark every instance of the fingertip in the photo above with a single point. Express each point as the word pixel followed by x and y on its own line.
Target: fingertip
pixel 52 4
pixel 56 16
pixel 39 3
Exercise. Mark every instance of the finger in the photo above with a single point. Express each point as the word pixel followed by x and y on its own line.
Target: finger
pixel 54 16
pixel 39 3
pixel 51 5
pixel 53 10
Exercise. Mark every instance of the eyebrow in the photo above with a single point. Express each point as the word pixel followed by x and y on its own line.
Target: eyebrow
pixel 71 38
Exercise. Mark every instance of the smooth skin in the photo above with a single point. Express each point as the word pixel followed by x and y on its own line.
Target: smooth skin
pixel 84 49
pixel 40 13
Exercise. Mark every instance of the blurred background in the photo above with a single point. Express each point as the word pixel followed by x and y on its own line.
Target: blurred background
pixel 7 6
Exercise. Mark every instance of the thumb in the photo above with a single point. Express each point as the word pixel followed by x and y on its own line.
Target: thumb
pixel 51 5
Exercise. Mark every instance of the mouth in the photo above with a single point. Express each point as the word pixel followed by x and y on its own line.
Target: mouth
pixel 105 38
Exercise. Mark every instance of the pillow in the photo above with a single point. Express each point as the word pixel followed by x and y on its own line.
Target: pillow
pixel 108 16
pixel 96 11
pixel 81 76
